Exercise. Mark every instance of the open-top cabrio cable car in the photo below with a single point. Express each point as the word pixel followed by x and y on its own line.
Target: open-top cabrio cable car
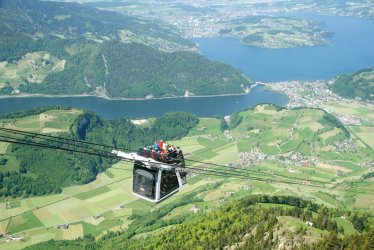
pixel 156 176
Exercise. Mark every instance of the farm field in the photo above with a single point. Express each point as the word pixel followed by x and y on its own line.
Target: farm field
pixel 364 112
pixel 364 131
pixel 278 151
pixel 33 67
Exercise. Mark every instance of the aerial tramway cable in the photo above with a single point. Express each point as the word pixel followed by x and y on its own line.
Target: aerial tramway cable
pixel 52 138
pixel 204 171
pixel 109 155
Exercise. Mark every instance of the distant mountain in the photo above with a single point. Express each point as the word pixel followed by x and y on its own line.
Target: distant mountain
pixel 67 48
pixel 357 85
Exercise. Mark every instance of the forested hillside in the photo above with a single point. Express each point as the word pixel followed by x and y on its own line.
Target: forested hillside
pixel 39 20
pixel 356 85
pixel 137 71
pixel 253 222
pixel 67 48
pixel 44 171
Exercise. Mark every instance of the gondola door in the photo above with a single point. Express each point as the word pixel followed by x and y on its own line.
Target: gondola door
pixel 169 183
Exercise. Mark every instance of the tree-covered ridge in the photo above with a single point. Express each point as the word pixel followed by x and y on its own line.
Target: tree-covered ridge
pixel 142 70
pixel 45 171
pixel 115 69
pixel 356 85
pixel 253 222
pixel 243 224
pixel 67 48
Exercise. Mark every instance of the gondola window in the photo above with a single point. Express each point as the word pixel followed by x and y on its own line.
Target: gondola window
pixel 144 183
pixel 169 183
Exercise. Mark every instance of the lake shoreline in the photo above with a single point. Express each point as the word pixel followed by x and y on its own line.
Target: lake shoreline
pixel 127 99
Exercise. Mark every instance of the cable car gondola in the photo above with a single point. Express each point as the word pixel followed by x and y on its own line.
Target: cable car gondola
pixel 156 176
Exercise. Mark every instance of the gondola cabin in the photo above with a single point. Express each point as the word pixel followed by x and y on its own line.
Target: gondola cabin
pixel 156 176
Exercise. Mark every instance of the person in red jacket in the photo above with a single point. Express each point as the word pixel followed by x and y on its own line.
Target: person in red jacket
pixel 160 145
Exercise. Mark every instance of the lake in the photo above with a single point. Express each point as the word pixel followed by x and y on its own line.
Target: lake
pixel 111 109
pixel 351 48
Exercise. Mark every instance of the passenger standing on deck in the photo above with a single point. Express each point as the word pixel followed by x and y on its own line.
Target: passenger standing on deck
pixel 155 147
pixel 171 151
pixel 178 150
pixel 160 145
pixel 165 146
pixel 153 154
pixel 145 151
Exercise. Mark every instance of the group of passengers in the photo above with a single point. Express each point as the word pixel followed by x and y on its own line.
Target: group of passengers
pixel 161 151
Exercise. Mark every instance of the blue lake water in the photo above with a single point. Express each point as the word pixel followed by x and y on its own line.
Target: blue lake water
pixel 111 109
pixel 351 48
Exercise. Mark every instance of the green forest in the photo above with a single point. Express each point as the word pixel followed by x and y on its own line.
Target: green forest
pixel 136 71
pixel 139 68
pixel 244 224
pixel 357 85
pixel 45 171
pixel 96 59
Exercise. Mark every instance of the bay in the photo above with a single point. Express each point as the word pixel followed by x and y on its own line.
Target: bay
pixel 351 48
